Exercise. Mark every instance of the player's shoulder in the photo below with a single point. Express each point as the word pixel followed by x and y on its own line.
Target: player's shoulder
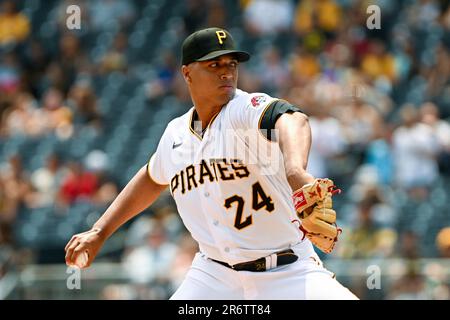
pixel 180 121
pixel 251 99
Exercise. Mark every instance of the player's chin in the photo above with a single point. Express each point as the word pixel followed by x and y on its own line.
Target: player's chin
pixel 227 92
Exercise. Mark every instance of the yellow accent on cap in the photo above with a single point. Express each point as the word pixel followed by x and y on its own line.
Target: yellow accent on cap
pixel 221 35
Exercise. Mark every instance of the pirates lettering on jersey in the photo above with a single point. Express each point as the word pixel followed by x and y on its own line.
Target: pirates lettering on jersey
pixel 205 172
pixel 212 170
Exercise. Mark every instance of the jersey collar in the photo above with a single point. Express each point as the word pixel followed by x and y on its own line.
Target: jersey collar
pixel 194 117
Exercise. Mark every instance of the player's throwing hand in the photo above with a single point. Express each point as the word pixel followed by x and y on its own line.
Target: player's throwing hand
pixel 89 243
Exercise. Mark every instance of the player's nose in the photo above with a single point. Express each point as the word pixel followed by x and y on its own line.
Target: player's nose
pixel 226 75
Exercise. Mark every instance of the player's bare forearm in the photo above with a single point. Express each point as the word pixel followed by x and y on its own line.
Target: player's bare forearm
pixel 294 138
pixel 137 195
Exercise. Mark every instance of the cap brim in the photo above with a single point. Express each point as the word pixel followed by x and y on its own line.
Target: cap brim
pixel 242 56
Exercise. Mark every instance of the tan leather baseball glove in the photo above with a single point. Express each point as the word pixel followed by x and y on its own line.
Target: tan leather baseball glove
pixel 318 219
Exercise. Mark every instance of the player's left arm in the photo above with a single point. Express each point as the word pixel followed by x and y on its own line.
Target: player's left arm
pixel 286 124
pixel 311 197
pixel 294 138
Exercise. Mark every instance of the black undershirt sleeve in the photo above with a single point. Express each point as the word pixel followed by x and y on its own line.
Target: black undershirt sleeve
pixel 271 115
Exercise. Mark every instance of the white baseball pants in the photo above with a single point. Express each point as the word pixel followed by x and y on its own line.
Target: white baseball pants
pixel 305 279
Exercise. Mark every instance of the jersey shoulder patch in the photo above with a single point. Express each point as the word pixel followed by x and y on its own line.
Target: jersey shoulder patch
pixel 256 101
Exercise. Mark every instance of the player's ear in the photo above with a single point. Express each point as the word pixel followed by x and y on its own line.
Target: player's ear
pixel 186 74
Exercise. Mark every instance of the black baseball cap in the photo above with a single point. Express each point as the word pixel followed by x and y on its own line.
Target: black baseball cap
pixel 210 43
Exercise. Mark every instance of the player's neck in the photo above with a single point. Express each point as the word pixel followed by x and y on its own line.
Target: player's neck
pixel 206 114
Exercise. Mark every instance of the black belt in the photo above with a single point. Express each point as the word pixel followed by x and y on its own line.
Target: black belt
pixel 266 263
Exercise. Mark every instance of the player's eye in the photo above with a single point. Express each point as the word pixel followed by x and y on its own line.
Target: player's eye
pixel 213 65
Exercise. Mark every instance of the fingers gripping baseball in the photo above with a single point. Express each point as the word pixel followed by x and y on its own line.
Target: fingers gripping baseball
pixel 82 248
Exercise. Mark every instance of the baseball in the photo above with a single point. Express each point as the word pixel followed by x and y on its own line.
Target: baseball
pixel 81 260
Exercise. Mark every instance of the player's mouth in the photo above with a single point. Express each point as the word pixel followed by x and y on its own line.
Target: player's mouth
pixel 227 87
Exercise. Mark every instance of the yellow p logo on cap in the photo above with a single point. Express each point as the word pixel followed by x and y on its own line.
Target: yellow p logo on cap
pixel 221 35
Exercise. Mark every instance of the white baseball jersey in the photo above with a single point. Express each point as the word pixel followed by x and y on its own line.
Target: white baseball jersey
pixel 230 185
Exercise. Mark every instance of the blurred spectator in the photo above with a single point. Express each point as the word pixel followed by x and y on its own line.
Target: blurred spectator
pixel 118 292
pixel 166 72
pixel 2 196
pixel 36 59
pixel 423 13
pixel 276 73
pixel 111 14
pixel 116 58
pixel 24 118
pixel 429 283
pixel 148 263
pixel 378 62
pixel 365 184
pixel 415 150
pixel 217 14
pixel 337 57
pixel 443 242
pixel 195 15
pixel 411 286
pixel 6 249
pixel 69 63
pixel 57 116
pixel 437 75
pixel 403 53
pixel 379 154
pixel 97 162
pixel 409 245
pixel 248 80
pixel 14 26
pixel 323 14
pixel 9 74
pixel 328 141
pixel 78 184
pixel 446 18
pixel 138 229
pixel 83 101
pixel 364 238
pixel 441 130
pixel 186 250
pixel 15 181
pixel 304 66
pixel 71 60
pixel 359 121
pixel 54 77
pixel 255 16
pixel 169 217
pixel 437 281
pixel 107 191
pixel 46 181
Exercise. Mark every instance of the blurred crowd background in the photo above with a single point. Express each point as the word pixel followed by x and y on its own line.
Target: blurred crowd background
pixel 82 110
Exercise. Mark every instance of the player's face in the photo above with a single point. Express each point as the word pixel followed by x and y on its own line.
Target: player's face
pixel 214 80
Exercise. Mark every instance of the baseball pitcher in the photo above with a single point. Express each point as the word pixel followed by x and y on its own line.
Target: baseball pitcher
pixel 235 164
